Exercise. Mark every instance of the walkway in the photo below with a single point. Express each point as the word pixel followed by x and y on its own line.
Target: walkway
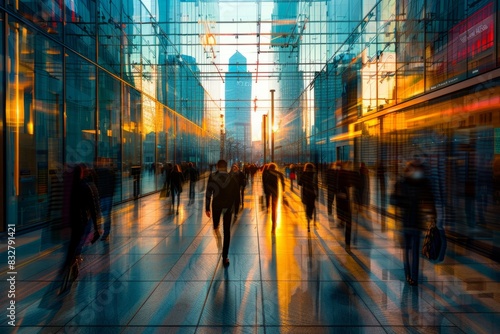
pixel 162 273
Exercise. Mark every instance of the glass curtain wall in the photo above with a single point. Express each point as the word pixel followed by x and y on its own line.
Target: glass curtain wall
pixel 109 147
pixel 81 86
pixel 33 126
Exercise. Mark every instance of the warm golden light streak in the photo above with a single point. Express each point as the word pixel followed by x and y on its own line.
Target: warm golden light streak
pixel 345 136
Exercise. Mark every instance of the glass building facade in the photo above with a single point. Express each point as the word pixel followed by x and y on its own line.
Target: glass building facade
pixel 94 82
pixel 138 83
pixel 237 110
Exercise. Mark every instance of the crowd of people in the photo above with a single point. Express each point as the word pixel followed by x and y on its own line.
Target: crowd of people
pixel 345 188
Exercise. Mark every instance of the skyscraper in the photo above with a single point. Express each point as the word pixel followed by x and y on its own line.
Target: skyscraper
pixel 238 109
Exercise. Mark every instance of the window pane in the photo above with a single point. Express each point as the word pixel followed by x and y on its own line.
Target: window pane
pixel 149 130
pixel 80 32
pixel 34 123
pixel 109 145
pixel 80 110
pixel 131 168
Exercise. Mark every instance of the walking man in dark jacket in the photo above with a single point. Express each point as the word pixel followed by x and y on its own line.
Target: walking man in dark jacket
pixel 275 184
pixel 221 194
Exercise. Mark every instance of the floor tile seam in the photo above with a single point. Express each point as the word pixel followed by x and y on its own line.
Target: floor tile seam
pixel 212 280
pixel 164 279
pixel 348 280
pixel 256 219
pixel 138 308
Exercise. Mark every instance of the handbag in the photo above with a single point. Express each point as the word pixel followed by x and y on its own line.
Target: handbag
pixel 432 242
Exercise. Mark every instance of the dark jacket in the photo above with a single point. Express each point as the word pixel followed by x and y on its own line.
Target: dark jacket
pixel 415 199
pixel 273 177
pixel 222 191
pixel 105 182
pixel 176 180
pixel 331 180
pixel 345 180
pixel 193 174
pixel 309 183
pixel 240 178
pixel 84 203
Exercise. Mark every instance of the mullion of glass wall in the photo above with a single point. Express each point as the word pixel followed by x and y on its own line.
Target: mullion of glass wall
pixel 110 32
pixel 150 127
pixel 131 166
pixel 109 129
pixel 34 168
pixel 81 28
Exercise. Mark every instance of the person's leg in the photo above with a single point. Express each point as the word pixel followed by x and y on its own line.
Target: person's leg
pixel 226 221
pixel 216 213
pixel 329 202
pixel 415 257
pixel 83 238
pixel 309 210
pixel 106 215
pixel 191 190
pixel 178 194
pixel 274 211
pixel 236 206
pixel 76 236
pixel 242 196
pixel 406 255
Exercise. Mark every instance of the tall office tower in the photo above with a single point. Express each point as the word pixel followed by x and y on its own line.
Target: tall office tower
pixel 238 109
pixel 287 28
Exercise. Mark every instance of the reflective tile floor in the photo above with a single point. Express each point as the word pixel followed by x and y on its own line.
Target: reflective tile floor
pixel 162 273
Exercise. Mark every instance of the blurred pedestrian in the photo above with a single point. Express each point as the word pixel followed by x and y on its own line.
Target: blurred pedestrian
pixel 176 181
pixel 193 175
pixel 414 198
pixel 362 188
pixel 241 180
pixel 275 184
pixel 293 176
pixel 220 197
pixel 167 170
pixel 105 182
pixel 331 185
pixel 265 186
pixel 84 212
pixel 309 191
pixel 344 211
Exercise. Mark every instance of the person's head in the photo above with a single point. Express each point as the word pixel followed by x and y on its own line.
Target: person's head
pixel 190 164
pixel 177 168
pixel 273 166
pixel 79 172
pixel 308 167
pixel 414 170
pixel 222 165
pixel 235 168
